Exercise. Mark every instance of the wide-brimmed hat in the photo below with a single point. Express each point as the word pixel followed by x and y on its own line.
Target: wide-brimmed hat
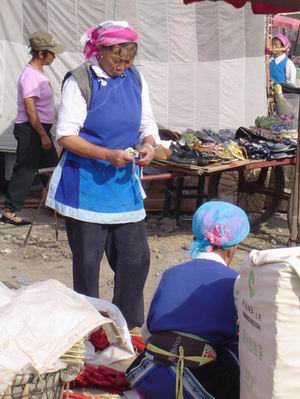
pixel 44 41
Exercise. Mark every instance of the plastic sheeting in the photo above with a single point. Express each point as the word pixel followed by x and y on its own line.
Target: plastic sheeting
pixel 121 347
pixel 39 324
pixel 204 63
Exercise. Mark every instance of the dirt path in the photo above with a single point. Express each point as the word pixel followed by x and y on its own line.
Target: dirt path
pixel 43 257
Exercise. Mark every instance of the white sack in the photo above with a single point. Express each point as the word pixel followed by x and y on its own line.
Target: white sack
pixel 40 323
pixel 5 295
pixel 269 315
pixel 121 347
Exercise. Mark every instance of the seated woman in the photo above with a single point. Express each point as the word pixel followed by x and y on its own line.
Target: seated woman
pixel 282 69
pixel 191 328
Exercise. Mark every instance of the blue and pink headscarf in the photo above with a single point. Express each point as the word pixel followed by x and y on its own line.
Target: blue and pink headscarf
pixel 218 224
pixel 107 33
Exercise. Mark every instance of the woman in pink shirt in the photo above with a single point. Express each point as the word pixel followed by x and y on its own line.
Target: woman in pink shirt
pixel 34 120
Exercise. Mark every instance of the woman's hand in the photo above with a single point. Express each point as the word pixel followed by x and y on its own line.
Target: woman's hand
pixel 46 142
pixel 147 153
pixel 119 158
pixel 80 146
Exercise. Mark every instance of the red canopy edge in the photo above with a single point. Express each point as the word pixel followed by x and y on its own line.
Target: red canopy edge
pixel 262 6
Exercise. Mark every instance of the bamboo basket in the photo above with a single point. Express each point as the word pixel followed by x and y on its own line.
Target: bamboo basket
pixel 48 385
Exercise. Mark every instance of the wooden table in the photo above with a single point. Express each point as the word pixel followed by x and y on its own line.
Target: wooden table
pixel 191 170
pixel 260 182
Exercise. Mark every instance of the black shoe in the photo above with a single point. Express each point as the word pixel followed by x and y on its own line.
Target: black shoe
pixel 248 134
pixel 204 136
pixel 14 220
pixel 276 147
pixel 202 162
pixel 178 152
pixel 278 155
pixel 182 160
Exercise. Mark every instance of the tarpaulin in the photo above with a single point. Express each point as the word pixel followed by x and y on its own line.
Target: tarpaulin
pixel 204 65
pixel 286 22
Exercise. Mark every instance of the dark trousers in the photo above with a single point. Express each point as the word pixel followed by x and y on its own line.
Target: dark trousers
pixel 127 250
pixel 30 158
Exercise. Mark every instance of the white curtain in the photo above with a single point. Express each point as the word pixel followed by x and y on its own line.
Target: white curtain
pixel 204 63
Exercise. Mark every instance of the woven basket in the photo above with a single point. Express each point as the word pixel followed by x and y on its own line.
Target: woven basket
pixel 48 385
pixel 45 386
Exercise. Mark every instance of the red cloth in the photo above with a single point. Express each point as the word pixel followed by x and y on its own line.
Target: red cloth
pixel 75 395
pixel 99 340
pixel 104 377
pixel 138 343
pixel 263 6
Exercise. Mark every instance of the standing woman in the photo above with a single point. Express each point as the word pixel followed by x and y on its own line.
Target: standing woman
pixel 105 113
pixel 282 69
pixel 34 120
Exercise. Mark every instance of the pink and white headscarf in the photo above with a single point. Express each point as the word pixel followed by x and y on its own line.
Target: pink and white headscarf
pixel 107 33
pixel 284 40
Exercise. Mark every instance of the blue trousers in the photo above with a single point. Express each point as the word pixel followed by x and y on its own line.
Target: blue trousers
pixel 216 380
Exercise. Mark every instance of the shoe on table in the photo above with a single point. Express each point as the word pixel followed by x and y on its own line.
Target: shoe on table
pixel 183 160
pixel 9 217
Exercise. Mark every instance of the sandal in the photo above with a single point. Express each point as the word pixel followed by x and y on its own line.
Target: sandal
pixel 13 219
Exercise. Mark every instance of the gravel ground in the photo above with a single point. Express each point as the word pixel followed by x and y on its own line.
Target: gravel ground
pixel 43 257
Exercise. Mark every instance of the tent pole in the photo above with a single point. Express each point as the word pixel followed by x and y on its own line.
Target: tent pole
pixel 268 32
pixel 294 239
pixel 297 38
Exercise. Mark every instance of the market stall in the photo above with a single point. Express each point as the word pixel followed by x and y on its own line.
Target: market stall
pixel 275 7
pixel 257 185
pixel 248 183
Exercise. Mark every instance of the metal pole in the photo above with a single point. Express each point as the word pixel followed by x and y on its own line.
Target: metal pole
pixel 296 42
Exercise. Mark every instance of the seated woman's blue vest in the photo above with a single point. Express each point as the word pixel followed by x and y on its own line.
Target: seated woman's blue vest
pixel 277 71
pixel 197 298
pixel 95 190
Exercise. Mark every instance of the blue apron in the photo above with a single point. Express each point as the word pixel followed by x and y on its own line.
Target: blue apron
pixel 278 71
pixel 94 190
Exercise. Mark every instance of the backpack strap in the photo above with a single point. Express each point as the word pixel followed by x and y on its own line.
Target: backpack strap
pixel 137 74
pixel 83 78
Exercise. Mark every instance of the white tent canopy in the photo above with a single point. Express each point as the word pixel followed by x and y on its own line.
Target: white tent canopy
pixel 204 63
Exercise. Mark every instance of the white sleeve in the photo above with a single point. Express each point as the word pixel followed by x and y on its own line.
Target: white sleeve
pixel 291 72
pixel 148 123
pixel 72 111
pixel 236 292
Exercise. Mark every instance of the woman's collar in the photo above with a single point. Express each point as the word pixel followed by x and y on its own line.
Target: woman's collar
pixel 279 58
pixel 211 256
pixel 97 69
